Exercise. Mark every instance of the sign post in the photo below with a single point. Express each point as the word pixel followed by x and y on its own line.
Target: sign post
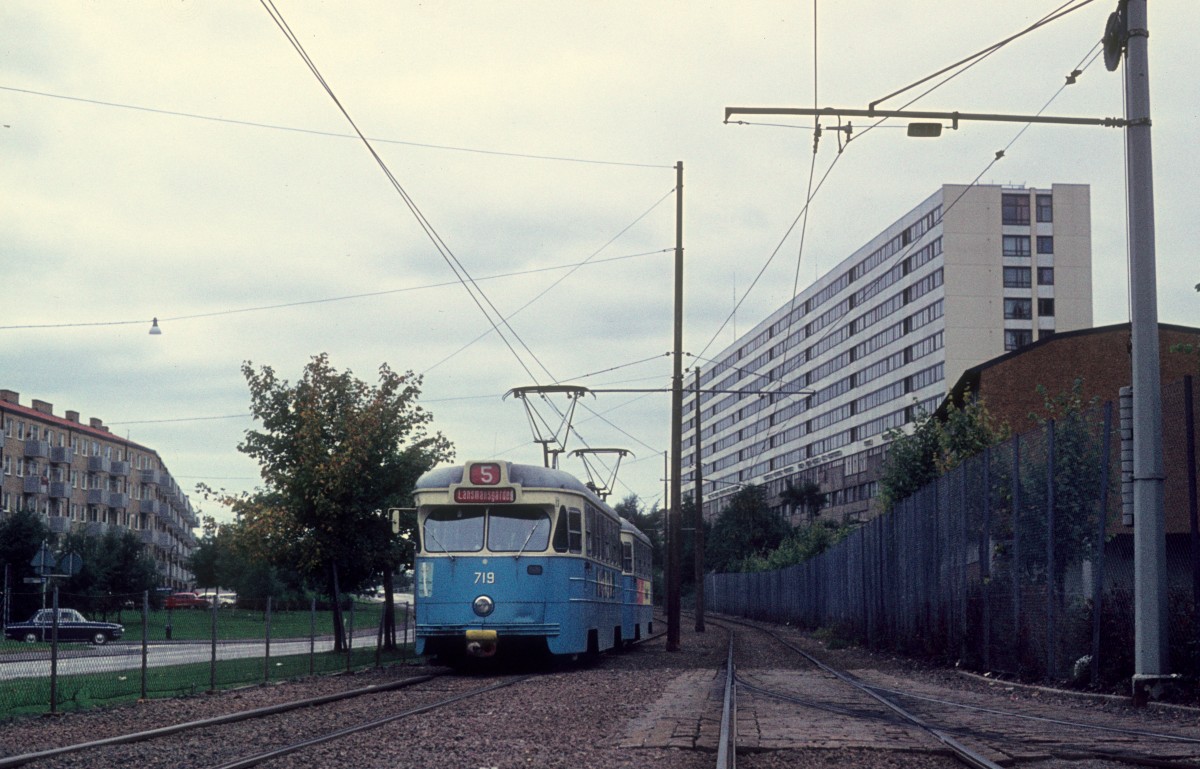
pixel 43 564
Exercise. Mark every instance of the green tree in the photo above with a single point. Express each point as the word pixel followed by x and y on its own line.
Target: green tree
pixel 21 536
pixel 803 543
pixel 1077 475
pixel 228 556
pixel 648 521
pixel 333 452
pixel 934 446
pixel 207 558
pixel 911 460
pixel 806 496
pixel 747 527
pixel 966 431
pixel 115 569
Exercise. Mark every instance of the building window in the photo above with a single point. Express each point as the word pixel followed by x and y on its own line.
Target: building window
pixel 1014 209
pixel 1019 309
pixel 1018 277
pixel 1045 244
pixel 1045 276
pixel 1045 208
pixel 1016 245
pixel 1015 338
pixel 1046 308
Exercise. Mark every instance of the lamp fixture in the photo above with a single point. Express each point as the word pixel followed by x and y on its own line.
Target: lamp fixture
pixel 154 329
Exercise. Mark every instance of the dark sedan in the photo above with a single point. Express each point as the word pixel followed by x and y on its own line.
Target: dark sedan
pixel 72 626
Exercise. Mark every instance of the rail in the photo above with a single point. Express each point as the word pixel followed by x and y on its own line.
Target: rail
pixel 727 742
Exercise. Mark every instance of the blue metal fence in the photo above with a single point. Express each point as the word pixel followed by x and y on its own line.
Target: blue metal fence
pixel 1015 561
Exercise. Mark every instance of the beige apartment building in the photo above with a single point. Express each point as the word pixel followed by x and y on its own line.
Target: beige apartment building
pixel 82 478
pixel 969 274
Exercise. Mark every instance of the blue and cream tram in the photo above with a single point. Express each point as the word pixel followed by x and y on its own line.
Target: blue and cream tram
pixel 514 558
pixel 637 611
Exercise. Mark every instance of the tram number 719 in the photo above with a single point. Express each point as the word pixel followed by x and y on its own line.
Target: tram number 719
pixel 485 578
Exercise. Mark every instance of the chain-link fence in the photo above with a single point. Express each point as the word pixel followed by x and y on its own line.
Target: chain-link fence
pixel 1017 561
pixel 122 649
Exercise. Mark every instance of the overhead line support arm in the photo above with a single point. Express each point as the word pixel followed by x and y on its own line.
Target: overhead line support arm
pixel 1108 122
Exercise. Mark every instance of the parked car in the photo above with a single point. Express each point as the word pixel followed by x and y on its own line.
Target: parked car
pixel 186 601
pixel 72 626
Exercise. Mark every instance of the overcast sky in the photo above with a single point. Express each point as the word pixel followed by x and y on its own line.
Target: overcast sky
pixel 178 160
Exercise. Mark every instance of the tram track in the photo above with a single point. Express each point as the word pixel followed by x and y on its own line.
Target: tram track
pixel 988 737
pixel 778 708
pixel 233 728
pixel 22 759
pixel 329 716
pixel 262 757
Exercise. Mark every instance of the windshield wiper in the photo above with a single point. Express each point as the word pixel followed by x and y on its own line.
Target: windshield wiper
pixel 433 536
pixel 528 537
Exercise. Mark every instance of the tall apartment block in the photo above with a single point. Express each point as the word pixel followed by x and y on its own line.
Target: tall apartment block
pixel 82 478
pixel 970 273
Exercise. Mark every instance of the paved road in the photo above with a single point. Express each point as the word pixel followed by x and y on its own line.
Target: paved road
pixel 77 658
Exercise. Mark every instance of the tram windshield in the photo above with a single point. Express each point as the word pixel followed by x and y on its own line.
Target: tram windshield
pixel 521 529
pixel 454 529
pixel 515 529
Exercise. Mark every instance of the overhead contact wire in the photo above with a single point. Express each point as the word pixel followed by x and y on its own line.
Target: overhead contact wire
pixel 478 296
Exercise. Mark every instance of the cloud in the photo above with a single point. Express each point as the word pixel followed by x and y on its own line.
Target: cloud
pixel 119 213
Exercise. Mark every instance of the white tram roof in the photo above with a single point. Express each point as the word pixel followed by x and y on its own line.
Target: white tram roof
pixel 528 476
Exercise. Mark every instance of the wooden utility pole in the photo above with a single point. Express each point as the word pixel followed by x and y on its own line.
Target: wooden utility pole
pixel 674 548
pixel 698 540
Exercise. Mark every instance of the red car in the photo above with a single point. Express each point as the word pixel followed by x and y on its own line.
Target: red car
pixel 186 601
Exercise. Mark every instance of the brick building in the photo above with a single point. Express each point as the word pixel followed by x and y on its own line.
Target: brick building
pixel 82 478
pixel 1101 358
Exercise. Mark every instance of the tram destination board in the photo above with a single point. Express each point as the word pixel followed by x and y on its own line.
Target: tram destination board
pixel 503 495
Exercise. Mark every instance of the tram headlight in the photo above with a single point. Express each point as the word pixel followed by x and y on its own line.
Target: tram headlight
pixel 483 605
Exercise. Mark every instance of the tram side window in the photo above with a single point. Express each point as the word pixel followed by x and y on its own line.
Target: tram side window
pixel 591 533
pixel 453 529
pixel 627 557
pixel 560 531
pixel 568 532
pixel 575 527
pixel 644 558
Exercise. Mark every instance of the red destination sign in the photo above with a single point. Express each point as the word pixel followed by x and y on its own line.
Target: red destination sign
pixel 485 496
pixel 485 474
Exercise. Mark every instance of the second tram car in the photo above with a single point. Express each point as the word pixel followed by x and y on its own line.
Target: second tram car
pixel 518 558
pixel 637 609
